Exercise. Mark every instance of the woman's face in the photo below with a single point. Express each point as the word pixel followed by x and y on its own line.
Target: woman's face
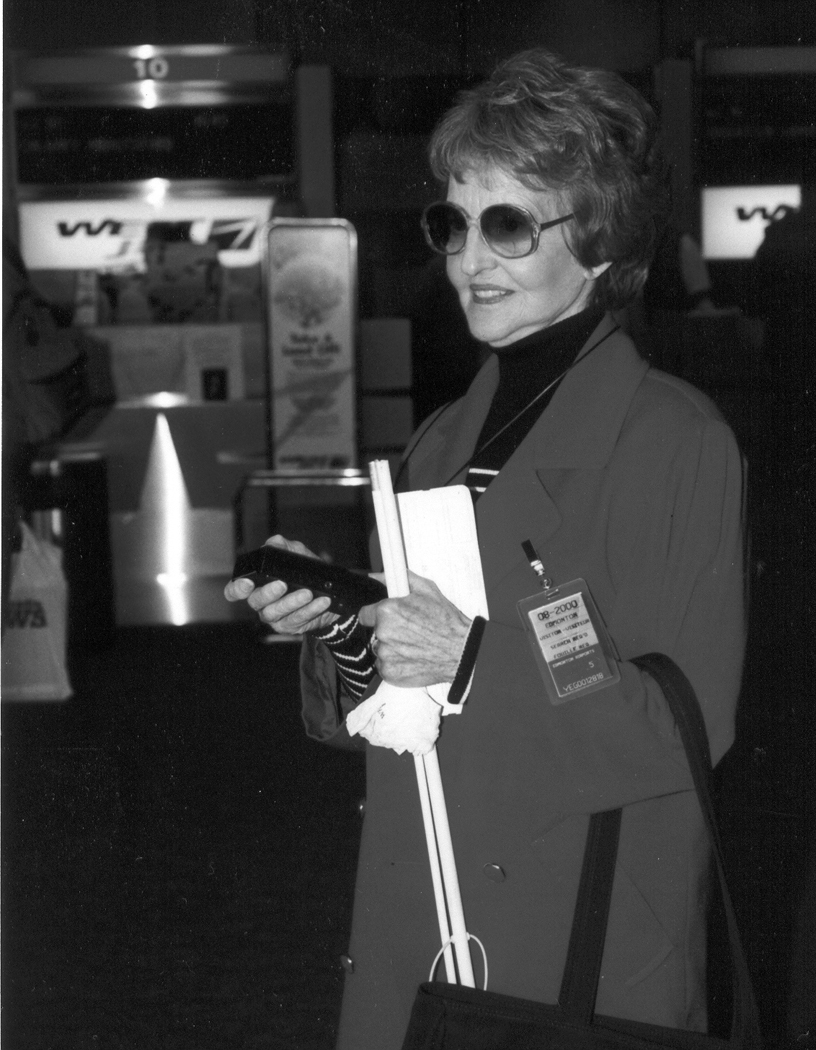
pixel 507 299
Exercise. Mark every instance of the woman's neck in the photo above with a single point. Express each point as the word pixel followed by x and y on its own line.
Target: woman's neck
pixel 528 367
pixel 567 333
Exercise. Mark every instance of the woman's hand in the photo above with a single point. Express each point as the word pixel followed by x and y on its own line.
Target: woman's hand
pixel 285 613
pixel 419 638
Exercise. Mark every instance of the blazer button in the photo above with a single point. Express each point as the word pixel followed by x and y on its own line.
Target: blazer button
pixel 494 872
pixel 347 963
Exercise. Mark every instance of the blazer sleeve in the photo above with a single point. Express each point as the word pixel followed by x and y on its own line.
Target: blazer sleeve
pixel 324 702
pixel 674 567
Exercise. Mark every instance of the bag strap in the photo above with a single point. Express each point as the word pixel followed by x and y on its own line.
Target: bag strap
pixel 582 971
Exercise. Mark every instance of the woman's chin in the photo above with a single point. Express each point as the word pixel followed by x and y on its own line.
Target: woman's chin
pixel 490 329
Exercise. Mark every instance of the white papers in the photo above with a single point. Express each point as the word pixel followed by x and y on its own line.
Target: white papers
pixel 441 543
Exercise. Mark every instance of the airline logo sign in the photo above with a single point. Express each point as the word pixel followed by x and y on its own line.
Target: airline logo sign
pixel 735 217
pixel 109 236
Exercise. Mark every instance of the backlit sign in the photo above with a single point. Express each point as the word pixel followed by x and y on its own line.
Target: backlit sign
pixel 109 236
pixel 735 217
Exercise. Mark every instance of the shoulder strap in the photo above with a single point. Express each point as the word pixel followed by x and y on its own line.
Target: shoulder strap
pixel 579 986
pixel 582 971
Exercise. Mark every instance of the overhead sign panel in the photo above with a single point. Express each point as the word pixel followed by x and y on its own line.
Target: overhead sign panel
pixel 150 62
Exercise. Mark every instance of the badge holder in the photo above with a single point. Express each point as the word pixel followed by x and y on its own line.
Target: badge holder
pixel 571 644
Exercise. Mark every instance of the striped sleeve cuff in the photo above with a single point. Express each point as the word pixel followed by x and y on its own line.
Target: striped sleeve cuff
pixel 349 643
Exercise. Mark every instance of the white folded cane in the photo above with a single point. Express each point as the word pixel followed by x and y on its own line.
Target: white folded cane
pixel 448 898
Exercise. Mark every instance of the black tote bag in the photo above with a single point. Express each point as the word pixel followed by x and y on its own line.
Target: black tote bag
pixel 452 1017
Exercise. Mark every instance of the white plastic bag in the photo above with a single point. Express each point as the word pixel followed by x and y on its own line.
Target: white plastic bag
pixel 34 641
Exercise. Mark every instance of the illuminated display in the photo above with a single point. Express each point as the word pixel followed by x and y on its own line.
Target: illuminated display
pixel 735 217
pixel 111 236
pixel 128 114
pixel 64 145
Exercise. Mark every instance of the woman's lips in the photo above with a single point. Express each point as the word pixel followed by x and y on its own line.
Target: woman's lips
pixel 485 295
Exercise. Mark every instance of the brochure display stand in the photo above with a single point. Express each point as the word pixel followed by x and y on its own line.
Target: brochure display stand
pixel 310 277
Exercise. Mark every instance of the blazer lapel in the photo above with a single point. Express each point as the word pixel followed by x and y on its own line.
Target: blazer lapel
pixel 578 430
pixel 441 456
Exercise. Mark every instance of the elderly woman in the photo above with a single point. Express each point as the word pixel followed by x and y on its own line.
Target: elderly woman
pixel 614 473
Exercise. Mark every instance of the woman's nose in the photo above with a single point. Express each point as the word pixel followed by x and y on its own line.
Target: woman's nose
pixel 476 256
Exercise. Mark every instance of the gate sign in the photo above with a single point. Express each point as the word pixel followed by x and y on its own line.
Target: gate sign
pixel 312 297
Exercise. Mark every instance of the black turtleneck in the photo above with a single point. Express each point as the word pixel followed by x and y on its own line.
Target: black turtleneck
pixel 527 367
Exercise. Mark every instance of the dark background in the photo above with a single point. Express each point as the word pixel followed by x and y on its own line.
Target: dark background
pixel 178 856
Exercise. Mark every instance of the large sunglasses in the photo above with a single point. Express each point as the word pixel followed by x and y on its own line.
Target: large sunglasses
pixel 506 229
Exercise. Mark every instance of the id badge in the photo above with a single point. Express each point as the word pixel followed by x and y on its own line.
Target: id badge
pixel 572 647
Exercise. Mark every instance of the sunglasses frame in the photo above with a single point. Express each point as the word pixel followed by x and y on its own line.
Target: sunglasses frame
pixel 535 226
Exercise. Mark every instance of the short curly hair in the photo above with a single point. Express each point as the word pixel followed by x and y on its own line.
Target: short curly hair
pixel 583 133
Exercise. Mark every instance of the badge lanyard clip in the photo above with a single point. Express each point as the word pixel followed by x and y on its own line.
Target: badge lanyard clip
pixel 537 565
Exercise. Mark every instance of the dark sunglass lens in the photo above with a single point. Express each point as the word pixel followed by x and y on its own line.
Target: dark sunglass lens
pixel 507 230
pixel 446 228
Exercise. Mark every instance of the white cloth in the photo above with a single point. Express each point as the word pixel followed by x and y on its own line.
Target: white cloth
pixel 402 719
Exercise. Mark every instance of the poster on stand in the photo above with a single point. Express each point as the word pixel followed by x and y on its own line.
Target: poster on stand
pixel 311 277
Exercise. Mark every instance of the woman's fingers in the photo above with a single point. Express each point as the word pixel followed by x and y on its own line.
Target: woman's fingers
pixel 298 612
pixel 285 612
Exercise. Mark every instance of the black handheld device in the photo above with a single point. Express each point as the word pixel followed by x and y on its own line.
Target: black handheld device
pixel 348 589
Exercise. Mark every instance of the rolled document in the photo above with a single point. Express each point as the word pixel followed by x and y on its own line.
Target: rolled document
pixel 402 719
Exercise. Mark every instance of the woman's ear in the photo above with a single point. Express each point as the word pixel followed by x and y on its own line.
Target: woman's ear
pixel 592 273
